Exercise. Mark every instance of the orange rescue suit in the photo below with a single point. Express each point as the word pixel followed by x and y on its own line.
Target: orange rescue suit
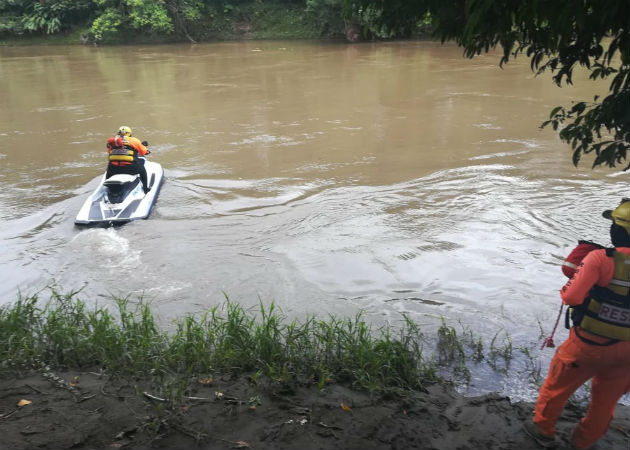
pixel 585 355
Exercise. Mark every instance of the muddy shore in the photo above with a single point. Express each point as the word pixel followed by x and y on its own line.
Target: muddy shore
pixel 89 410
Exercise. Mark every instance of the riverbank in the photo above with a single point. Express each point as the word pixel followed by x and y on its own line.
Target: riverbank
pixel 87 409
pixel 79 376
pixel 142 23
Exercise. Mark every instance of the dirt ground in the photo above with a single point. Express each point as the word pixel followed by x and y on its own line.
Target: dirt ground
pixel 83 410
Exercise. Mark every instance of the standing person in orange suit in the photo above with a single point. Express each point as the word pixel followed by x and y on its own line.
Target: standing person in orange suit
pixel 124 156
pixel 598 346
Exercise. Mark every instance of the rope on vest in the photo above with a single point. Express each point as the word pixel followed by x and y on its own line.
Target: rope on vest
pixel 548 342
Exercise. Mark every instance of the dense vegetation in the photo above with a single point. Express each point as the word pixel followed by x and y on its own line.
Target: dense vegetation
pixel 118 21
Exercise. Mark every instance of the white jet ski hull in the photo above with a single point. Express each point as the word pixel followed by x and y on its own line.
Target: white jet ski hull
pixel 121 199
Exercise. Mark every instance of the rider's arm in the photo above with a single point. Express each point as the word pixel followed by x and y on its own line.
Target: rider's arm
pixel 137 144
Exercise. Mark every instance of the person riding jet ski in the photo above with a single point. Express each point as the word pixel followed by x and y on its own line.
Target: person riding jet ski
pixel 124 156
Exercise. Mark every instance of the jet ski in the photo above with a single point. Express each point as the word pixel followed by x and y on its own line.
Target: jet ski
pixel 120 198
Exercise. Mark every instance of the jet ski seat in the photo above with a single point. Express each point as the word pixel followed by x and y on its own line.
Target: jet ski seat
pixel 118 179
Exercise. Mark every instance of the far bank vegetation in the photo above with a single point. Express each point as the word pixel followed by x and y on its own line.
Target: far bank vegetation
pixel 142 21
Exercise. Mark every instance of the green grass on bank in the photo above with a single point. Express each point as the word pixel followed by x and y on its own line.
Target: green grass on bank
pixel 63 333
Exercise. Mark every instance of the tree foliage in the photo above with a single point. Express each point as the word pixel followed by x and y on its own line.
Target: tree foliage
pixel 104 21
pixel 557 36
pixel 328 14
pixel 49 16
pixel 139 15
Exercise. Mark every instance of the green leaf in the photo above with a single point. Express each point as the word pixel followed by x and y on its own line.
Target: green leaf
pixel 555 111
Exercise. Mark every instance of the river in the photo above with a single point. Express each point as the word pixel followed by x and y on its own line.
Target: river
pixel 390 178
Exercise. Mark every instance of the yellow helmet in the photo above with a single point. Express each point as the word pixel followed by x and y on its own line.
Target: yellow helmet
pixel 620 215
pixel 124 131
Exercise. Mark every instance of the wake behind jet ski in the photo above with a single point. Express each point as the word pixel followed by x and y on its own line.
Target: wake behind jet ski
pixel 128 189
